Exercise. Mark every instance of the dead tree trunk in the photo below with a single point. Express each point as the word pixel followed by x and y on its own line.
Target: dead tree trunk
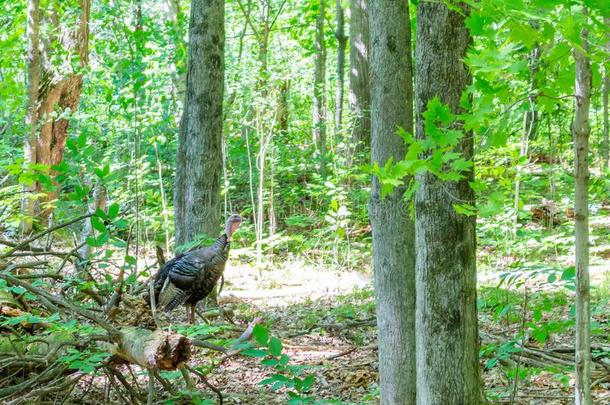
pixel 57 93
pixel 580 131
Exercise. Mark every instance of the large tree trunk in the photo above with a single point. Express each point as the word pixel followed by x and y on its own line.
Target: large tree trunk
pixel 319 120
pixel 580 132
pixel 199 158
pixel 55 92
pixel 29 152
pixel 359 97
pixel 341 44
pixel 393 233
pixel 446 320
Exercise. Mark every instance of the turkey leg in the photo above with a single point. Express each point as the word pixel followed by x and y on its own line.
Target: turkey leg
pixel 190 313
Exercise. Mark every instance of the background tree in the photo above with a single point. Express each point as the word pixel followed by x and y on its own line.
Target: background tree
pixel 359 97
pixel 341 44
pixel 59 87
pixel 393 236
pixel 319 86
pixel 29 152
pixel 605 91
pixel 446 320
pixel 199 157
pixel 580 131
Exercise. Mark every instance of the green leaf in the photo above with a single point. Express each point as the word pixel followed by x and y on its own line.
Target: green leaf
pixel 275 347
pixel 113 211
pixel 130 260
pixel 307 382
pixel 99 241
pixel 465 209
pixel 81 141
pixel 568 274
pixel 98 224
pixel 270 362
pixel 254 353
pixel 261 334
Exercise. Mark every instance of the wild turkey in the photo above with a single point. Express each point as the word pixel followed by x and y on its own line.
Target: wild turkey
pixel 191 276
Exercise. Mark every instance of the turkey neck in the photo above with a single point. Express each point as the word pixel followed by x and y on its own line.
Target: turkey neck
pixel 222 244
pixel 220 253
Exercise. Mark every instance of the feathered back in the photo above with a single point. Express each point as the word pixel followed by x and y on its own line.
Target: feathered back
pixel 192 275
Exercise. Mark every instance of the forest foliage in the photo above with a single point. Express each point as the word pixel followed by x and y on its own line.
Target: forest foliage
pixel 305 206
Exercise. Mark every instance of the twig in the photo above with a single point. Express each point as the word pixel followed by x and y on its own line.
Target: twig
pixel 116 387
pixel 60 302
pixel 134 396
pixel 150 398
pixel 208 345
pixel 343 353
pixel 166 384
pixel 247 333
pixel 207 383
pixel 187 378
pixel 523 339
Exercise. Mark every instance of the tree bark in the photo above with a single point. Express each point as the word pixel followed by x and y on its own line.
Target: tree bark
pixel 29 151
pixel 446 319
pixel 172 10
pixel 56 92
pixel 580 132
pixel 393 232
pixel 359 97
pixel 606 141
pixel 319 120
pixel 199 158
pixel 341 44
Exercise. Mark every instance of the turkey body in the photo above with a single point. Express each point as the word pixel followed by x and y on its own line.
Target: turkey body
pixel 190 277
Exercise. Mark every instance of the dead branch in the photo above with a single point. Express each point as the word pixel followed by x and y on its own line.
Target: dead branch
pixel 39 235
pixel 59 302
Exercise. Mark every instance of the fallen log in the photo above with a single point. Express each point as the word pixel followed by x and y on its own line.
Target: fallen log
pixel 156 349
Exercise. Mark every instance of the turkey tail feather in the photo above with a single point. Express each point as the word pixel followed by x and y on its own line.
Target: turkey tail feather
pixel 171 296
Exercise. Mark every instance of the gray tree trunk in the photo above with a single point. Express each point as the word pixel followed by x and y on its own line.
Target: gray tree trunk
pixel 606 141
pixel 199 159
pixel 359 90
pixel 29 144
pixel 446 320
pixel 341 44
pixel 319 120
pixel 580 132
pixel 393 233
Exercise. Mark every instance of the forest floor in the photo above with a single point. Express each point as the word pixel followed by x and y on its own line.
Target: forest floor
pixel 326 321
